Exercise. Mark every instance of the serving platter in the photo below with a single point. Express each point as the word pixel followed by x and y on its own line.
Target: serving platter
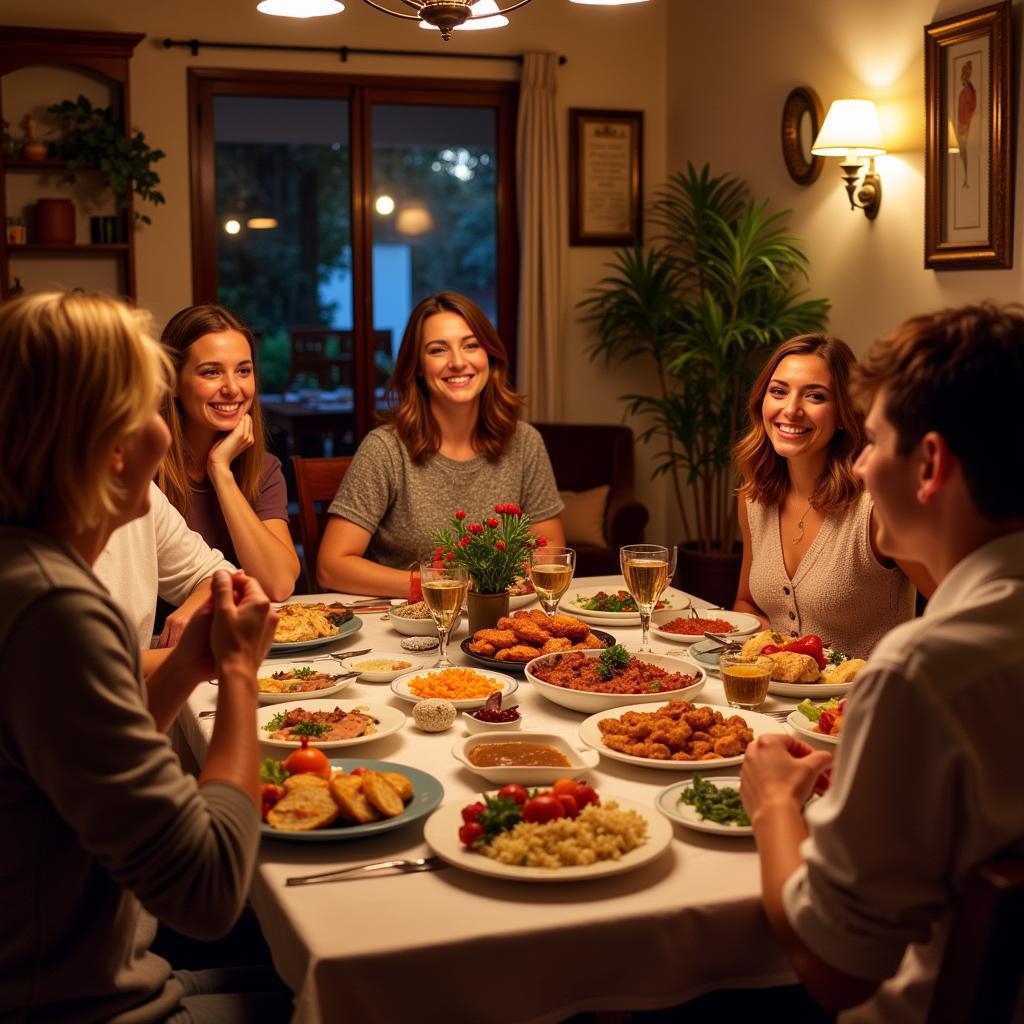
pixel 591 735
pixel 669 803
pixel 519 667
pixel 672 599
pixel 743 624
pixel 442 828
pixel 389 721
pixel 268 668
pixel 347 628
pixel 400 686
pixel 427 794
pixel 579 760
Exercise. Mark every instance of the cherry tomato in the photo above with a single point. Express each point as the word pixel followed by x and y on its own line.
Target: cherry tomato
pixel 825 722
pixel 569 804
pixel 472 811
pixel 358 771
pixel 586 795
pixel 542 808
pixel 470 833
pixel 514 792
pixel 270 792
pixel 568 786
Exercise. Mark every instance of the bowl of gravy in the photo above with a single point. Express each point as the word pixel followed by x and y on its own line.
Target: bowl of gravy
pixel 529 758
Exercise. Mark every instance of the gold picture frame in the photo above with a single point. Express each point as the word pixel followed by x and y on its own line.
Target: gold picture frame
pixel 969 140
pixel 605 174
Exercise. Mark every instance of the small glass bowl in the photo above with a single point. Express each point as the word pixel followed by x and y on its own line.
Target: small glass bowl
pixel 475 725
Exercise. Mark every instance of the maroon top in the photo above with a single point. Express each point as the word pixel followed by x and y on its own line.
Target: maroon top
pixel 207 519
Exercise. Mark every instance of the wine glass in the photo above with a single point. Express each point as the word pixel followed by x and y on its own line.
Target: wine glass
pixel 551 570
pixel 647 568
pixel 444 591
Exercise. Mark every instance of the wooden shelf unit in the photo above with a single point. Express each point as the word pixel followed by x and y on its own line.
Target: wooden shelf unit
pixel 107 54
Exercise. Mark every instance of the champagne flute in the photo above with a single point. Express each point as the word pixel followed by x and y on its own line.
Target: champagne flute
pixel 647 568
pixel 551 570
pixel 444 591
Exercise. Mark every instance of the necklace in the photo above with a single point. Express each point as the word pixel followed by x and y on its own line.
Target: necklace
pixel 800 524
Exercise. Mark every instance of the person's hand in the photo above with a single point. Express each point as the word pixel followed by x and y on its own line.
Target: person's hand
pixel 243 620
pixel 780 769
pixel 229 447
pixel 192 646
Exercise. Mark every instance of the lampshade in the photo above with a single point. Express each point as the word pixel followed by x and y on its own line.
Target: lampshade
pixel 849 124
pixel 300 8
pixel 488 13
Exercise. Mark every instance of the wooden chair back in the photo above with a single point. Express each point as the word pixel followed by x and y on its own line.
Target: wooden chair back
pixel 981 973
pixel 316 483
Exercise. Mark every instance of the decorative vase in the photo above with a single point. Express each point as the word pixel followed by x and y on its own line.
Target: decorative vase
pixel 486 609
pixel 711 575
pixel 55 221
pixel 35 151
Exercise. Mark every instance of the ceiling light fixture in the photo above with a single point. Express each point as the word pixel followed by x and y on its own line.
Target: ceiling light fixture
pixel 445 15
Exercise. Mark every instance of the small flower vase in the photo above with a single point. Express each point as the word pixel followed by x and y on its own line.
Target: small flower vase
pixel 486 609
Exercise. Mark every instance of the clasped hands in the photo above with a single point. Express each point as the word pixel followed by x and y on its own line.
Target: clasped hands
pixel 779 770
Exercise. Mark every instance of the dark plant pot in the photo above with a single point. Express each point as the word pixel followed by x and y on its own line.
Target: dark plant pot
pixel 55 221
pixel 712 575
pixel 486 609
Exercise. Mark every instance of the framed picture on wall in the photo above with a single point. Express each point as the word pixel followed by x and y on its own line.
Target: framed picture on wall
pixel 969 141
pixel 605 164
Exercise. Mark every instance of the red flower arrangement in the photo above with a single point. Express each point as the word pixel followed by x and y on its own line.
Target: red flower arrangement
pixel 495 552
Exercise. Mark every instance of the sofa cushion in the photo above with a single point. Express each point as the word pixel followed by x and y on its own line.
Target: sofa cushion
pixel 583 516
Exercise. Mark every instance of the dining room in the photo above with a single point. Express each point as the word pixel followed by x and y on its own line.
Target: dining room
pixel 615 223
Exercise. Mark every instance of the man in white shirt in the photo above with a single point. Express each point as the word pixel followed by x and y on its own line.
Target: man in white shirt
pixel 158 555
pixel 926 783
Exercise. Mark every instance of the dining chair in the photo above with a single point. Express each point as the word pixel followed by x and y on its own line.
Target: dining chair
pixel 981 973
pixel 316 483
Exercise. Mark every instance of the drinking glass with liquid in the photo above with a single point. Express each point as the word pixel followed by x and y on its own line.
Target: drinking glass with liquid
pixel 444 586
pixel 646 568
pixel 745 679
pixel 551 571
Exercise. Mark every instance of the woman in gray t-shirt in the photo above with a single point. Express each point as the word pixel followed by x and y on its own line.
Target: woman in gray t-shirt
pixel 451 438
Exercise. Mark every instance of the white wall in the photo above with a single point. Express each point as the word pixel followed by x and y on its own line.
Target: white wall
pixel 725 103
pixel 616 59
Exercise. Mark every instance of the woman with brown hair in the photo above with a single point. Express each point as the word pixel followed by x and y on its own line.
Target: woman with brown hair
pixel 811 562
pixel 217 472
pixel 450 439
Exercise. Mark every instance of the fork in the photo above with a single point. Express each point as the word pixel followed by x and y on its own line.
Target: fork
pixel 404 865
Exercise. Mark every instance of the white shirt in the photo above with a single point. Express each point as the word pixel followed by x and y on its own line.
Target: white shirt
pixel 926 786
pixel 156 554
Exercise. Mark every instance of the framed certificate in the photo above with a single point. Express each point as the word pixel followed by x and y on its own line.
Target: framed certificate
pixel 605 165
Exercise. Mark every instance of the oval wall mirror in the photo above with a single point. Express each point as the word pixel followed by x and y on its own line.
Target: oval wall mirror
pixel 801 121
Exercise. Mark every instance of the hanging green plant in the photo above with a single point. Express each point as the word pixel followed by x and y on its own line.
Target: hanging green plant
pixel 92 137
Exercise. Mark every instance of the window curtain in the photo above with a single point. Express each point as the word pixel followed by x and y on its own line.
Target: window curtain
pixel 541 238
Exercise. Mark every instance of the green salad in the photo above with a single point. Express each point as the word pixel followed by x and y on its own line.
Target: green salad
pixel 619 601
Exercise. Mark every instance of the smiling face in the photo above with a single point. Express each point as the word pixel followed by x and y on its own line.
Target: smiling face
pixel 453 363
pixel 217 383
pixel 799 408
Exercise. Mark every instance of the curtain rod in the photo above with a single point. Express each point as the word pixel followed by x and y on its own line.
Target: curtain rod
pixel 343 52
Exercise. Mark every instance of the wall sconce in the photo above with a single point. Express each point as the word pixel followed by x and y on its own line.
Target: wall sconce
pixel 851 131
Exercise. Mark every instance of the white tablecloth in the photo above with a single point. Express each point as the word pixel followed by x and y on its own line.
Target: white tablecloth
pixel 454 947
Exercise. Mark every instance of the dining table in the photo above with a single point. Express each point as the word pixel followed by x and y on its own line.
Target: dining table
pixel 454 946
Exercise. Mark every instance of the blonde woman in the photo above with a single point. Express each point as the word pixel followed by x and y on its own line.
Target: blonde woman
pixel 218 473
pixel 107 821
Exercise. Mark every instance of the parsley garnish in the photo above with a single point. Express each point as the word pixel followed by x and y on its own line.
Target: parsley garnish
pixel 613 660
pixel 304 673
pixel 272 771
pixel 275 723
pixel 314 730
pixel 837 658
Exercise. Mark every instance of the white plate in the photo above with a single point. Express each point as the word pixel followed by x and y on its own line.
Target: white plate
pixel 520 601
pixel 811 690
pixel 500 775
pixel 441 832
pixel 385 676
pixel 672 807
pixel 400 686
pixel 353 625
pixel 802 724
pixel 588 703
pixel 591 735
pixel 329 667
pixel 389 720
pixel 674 599
pixel 743 624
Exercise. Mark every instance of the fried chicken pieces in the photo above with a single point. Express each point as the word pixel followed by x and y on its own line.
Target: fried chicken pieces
pixel 678 731
pixel 527 634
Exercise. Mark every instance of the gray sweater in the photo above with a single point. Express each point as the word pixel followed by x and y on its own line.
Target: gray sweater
pixel 98 816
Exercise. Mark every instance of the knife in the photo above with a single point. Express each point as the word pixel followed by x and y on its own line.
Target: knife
pixel 404 865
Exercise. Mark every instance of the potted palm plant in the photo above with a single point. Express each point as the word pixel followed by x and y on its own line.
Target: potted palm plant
pixel 717 289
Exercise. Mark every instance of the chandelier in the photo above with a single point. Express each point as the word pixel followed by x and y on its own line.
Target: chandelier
pixel 446 15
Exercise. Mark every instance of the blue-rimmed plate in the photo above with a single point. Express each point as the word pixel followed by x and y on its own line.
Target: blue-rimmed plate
pixel 427 794
pixel 705 653
pixel 347 628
